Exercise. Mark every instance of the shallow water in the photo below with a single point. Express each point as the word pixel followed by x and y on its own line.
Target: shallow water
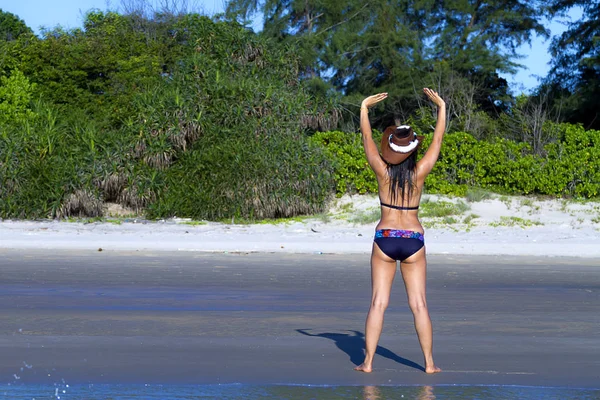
pixel 300 392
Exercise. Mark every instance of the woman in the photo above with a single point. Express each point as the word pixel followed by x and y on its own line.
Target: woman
pixel 399 234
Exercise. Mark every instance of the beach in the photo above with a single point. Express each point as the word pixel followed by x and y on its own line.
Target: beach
pixel 498 226
pixel 273 305
pixel 179 318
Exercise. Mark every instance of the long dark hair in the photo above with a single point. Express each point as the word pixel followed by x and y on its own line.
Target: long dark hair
pixel 402 177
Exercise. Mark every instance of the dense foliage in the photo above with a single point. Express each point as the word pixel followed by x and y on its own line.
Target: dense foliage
pixel 211 135
pixel 361 48
pixel 11 27
pixel 176 114
pixel 352 171
pixel 249 157
pixel 570 167
pixel 575 77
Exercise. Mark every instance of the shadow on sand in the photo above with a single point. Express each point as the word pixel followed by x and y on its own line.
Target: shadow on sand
pixel 353 345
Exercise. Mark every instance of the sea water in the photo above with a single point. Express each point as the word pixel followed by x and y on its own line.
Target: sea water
pixel 299 392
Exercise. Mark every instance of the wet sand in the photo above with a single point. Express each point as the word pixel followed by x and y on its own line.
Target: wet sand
pixel 117 317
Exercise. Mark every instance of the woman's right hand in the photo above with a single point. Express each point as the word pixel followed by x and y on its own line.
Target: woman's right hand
pixel 434 97
pixel 372 100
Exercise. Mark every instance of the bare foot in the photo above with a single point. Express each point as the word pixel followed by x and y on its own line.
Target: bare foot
pixel 364 368
pixel 432 370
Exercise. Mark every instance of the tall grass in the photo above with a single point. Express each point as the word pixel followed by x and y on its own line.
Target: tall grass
pixel 475 194
pixel 222 135
pixel 435 209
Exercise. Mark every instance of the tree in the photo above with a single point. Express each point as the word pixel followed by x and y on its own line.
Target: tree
pixel 533 120
pixel 483 36
pixel 393 46
pixel 225 133
pixel 11 27
pixel 576 61
pixel 311 25
pixel 99 67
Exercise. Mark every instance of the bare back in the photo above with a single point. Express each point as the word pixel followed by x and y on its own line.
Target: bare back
pixel 392 218
pixel 400 219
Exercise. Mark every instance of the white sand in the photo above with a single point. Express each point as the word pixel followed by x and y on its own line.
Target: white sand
pixel 502 226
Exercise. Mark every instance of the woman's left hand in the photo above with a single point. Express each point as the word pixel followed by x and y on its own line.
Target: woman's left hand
pixel 372 100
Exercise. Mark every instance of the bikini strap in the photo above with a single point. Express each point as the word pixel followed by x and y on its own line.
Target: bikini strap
pixel 399 208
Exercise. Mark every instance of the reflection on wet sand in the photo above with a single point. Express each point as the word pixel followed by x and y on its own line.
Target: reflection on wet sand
pixel 371 393
pixel 374 393
pixel 426 393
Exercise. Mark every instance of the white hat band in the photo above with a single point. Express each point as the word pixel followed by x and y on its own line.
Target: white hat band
pixel 403 149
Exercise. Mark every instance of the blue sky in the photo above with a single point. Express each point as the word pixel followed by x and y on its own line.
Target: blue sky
pixel 69 14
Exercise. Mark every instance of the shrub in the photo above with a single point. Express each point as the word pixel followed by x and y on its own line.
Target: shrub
pixel 570 167
pixel 47 167
pixel 442 208
pixel 15 97
pixel 476 194
pixel 351 170
pixel 227 133
pixel 222 134
pixel 246 177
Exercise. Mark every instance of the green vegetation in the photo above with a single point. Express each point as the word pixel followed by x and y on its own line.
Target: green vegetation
pixel 324 217
pixel 570 167
pixel 573 83
pixel 193 223
pixel 352 173
pixel 12 27
pixel 353 47
pixel 347 208
pixel 526 203
pixel 469 218
pixel 449 220
pixel 434 209
pixel 507 201
pixel 515 221
pixel 275 221
pixel 533 208
pixel 171 113
pixel 475 194
pixel 215 136
pixel 114 221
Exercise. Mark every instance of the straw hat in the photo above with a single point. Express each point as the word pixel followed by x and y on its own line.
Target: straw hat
pixel 398 143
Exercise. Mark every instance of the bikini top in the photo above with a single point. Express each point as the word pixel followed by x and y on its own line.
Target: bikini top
pixel 399 208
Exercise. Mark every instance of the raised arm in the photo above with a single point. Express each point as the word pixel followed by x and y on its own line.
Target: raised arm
pixel 425 164
pixel 371 151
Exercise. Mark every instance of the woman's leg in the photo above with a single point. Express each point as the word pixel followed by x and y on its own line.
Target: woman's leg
pixel 414 273
pixel 383 270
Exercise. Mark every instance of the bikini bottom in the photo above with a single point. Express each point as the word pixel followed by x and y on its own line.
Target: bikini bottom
pixel 399 244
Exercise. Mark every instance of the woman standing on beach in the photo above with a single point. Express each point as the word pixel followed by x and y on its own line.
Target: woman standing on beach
pixel 399 234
